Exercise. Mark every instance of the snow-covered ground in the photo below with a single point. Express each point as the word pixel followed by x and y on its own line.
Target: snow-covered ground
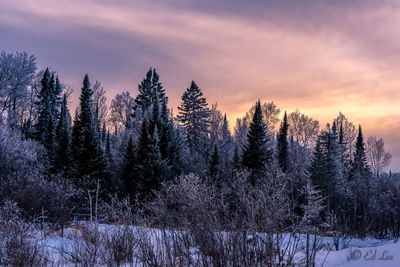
pixel 366 252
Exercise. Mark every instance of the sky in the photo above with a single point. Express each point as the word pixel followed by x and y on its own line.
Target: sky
pixel 321 57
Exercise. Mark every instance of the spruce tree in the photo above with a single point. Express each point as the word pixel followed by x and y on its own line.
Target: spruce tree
pixel 359 167
pixel 87 155
pixel 128 174
pixel 255 154
pixel 193 115
pixel 283 151
pixel 150 168
pixel 63 137
pixel 150 91
pixel 359 179
pixel 326 169
pixel 44 107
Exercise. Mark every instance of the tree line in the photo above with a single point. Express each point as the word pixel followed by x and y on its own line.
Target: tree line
pixel 132 146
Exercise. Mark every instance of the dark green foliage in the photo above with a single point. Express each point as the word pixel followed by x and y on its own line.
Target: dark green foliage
pixel 193 115
pixel 326 170
pixel 44 107
pixel 214 163
pixel 128 176
pixel 359 166
pixel 150 91
pixel 256 155
pixel 63 137
pixel 150 168
pixel 86 153
pixel 283 151
pixel 360 180
pixel 236 160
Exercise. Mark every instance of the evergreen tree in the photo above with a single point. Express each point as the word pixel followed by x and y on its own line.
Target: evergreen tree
pixel 150 168
pixel 226 147
pixel 359 166
pixel 359 178
pixel 150 91
pixel 50 142
pixel 48 109
pixel 56 100
pixel 283 152
pixel 326 169
pixel 193 115
pixel 128 174
pixel 256 154
pixel 87 155
pixel 214 163
pixel 63 137
pixel 44 107
pixel 236 159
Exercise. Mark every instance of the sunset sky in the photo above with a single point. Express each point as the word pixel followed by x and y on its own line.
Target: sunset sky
pixel 321 57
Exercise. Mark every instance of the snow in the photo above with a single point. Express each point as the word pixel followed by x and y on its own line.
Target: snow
pixel 360 252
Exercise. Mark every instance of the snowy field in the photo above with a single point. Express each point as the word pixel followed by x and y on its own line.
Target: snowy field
pixel 61 250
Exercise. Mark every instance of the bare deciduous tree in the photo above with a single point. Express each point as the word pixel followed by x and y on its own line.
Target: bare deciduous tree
pixel 303 129
pixel 378 159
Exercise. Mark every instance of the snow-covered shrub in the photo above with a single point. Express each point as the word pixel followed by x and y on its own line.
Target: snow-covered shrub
pixel 86 248
pixel 185 202
pixel 16 246
pixel 118 246
pixel 117 210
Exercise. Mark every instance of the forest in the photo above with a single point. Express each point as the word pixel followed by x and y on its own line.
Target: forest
pixel 184 189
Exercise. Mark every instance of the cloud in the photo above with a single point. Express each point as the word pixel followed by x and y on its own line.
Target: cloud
pixel 319 56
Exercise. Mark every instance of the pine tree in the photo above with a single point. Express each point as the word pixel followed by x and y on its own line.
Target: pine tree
pixel 86 153
pixel 193 115
pixel 256 155
pixel 283 151
pixel 214 163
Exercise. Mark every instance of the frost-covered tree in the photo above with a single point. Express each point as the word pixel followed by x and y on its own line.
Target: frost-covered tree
pixel 121 111
pixel 303 129
pixel 100 103
pixel 270 113
pixel 378 159
pixel 17 72
pixel 347 137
